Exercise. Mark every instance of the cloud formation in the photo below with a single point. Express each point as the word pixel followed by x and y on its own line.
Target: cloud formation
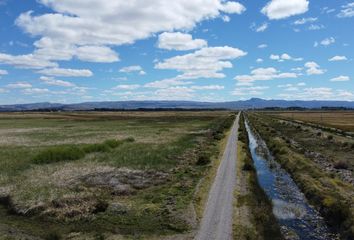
pixel 179 41
pixel 204 63
pixel 279 9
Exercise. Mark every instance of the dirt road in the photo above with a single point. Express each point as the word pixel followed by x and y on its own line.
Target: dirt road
pixel 217 219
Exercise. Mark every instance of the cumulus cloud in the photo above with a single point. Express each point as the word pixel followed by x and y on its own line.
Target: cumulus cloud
pixel 279 9
pixel 340 79
pixel 233 8
pixel 314 69
pixel 338 58
pixel 179 41
pixel 96 54
pixel 204 63
pixel 264 74
pixel 26 61
pixel 259 60
pixel 100 23
pixel 133 68
pixel 55 82
pixel 347 11
pixel 66 72
pixel 88 31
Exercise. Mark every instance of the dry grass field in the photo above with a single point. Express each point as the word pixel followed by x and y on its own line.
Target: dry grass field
pixel 343 120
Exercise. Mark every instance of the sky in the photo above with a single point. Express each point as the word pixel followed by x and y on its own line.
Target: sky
pixel 69 51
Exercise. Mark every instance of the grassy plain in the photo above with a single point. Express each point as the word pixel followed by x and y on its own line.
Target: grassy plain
pixel 97 174
pixel 343 120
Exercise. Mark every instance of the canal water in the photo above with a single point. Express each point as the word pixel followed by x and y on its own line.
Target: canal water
pixel 296 217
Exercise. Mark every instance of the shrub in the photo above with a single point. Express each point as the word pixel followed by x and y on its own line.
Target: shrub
pixel 129 139
pixel 329 137
pixel 96 148
pixel 59 153
pixel 53 236
pixel 247 167
pixel 203 159
pixel 341 165
pixel 112 143
pixel 319 134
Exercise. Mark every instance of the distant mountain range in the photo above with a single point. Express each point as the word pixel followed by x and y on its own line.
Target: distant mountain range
pixel 253 103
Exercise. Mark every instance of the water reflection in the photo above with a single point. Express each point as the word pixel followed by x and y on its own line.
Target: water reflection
pixel 298 219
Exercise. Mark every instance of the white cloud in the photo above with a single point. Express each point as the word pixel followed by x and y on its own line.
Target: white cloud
pixel 326 42
pixel 233 7
pixel 283 57
pixel 279 9
pixel 314 27
pixel 88 31
pixel 131 69
pixel 26 61
pixel 260 28
pixel 226 18
pixel 165 83
pixel 305 20
pixel 54 82
pixel 340 79
pixel 174 93
pixel 314 69
pixel 264 74
pixel 96 54
pixel 245 91
pixel 347 11
pixel 3 72
pixel 259 60
pixel 127 87
pixel 274 57
pixel 338 58
pixel 179 41
pixel 203 63
pixel 19 85
pixel 319 93
pixel 98 24
pixel 66 72
pixel 208 87
pixel 262 46
pixel 36 91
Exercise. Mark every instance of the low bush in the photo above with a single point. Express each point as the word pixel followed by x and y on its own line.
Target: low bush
pixel 97 147
pixel 341 165
pixel 59 153
pixel 203 159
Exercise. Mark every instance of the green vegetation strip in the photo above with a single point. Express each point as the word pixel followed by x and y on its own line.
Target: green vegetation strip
pixel 73 152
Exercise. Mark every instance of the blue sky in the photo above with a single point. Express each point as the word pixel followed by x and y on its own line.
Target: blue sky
pixel 204 50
